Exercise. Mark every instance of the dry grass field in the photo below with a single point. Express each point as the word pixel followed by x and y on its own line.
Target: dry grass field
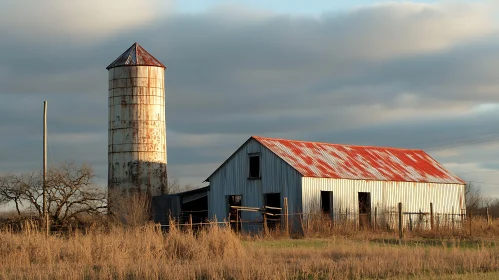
pixel 217 253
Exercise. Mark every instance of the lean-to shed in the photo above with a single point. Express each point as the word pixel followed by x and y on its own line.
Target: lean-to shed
pixel 337 179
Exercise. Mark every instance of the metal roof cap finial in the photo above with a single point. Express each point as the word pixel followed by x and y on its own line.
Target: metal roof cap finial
pixel 135 55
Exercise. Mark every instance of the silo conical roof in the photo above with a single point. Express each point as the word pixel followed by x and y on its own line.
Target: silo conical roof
pixel 135 55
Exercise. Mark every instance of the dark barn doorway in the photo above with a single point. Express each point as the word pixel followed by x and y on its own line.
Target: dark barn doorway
pixel 195 210
pixel 327 203
pixel 273 200
pixel 234 213
pixel 364 209
pixel 181 207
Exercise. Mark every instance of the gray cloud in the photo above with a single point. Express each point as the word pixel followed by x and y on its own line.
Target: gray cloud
pixel 405 75
pixel 85 22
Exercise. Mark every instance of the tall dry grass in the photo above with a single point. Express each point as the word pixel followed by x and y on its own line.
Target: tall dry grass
pixel 129 209
pixel 317 224
pixel 129 248
pixel 217 253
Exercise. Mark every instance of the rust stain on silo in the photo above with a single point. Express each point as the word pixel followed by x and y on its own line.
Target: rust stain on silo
pixel 137 132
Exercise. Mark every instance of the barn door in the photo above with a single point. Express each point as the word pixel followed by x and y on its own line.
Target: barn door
pixel 273 200
pixel 234 213
pixel 364 209
pixel 327 203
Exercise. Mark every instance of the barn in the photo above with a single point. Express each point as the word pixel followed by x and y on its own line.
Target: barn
pixel 333 178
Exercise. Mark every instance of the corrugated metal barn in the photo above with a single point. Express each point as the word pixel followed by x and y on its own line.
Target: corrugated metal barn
pixel 331 177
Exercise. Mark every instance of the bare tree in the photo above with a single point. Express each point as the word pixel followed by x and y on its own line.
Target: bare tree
pixel 13 188
pixel 473 197
pixel 475 201
pixel 70 192
pixel 175 187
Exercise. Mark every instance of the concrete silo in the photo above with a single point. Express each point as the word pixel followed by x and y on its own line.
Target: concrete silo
pixel 137 131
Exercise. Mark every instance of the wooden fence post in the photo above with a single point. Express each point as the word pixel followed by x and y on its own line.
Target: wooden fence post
pixel 400 220
pixel 488 216
pixel 190 221
pixel 286 216
pixel 308 221
pixel 452 219
pixel 265 229
pixel 237 221
pixel 432 223
pixel 375 217
pixel 438 222
pixel 470 217
pixel 410 222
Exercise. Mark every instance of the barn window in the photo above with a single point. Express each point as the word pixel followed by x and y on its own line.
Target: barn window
pixel 254 166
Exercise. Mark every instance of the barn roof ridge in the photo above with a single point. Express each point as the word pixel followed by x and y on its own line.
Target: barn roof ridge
pixel 336 144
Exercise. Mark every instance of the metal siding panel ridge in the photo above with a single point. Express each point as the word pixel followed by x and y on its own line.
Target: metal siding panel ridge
pixel 325 160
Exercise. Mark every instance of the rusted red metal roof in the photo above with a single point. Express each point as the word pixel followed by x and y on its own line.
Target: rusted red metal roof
pixel 324 160
pixel 136 55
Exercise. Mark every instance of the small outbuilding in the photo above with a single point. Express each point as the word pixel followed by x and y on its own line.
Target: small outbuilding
pixel 183 207
pixel 331 178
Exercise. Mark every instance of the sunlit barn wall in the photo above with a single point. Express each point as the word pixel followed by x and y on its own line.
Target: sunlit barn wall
pixel 385 195
pixel 137 132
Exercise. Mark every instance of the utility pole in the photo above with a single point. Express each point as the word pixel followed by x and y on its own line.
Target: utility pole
pixel 45 206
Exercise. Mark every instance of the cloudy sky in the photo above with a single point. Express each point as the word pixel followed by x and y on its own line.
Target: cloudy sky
pixel 421 74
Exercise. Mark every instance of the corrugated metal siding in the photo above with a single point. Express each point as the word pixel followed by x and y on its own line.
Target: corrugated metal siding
pixel 325 160
pixel 232 179
pixel 385 195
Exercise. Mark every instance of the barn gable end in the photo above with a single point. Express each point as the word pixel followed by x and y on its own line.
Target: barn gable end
pixel 232 178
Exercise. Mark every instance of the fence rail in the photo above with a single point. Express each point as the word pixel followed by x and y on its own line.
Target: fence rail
pixel 267 218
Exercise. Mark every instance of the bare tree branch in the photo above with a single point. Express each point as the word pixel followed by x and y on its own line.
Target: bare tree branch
pixel 70 192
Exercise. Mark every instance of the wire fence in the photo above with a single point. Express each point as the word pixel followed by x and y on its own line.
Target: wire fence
pixel 269 219
pixel 276 219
